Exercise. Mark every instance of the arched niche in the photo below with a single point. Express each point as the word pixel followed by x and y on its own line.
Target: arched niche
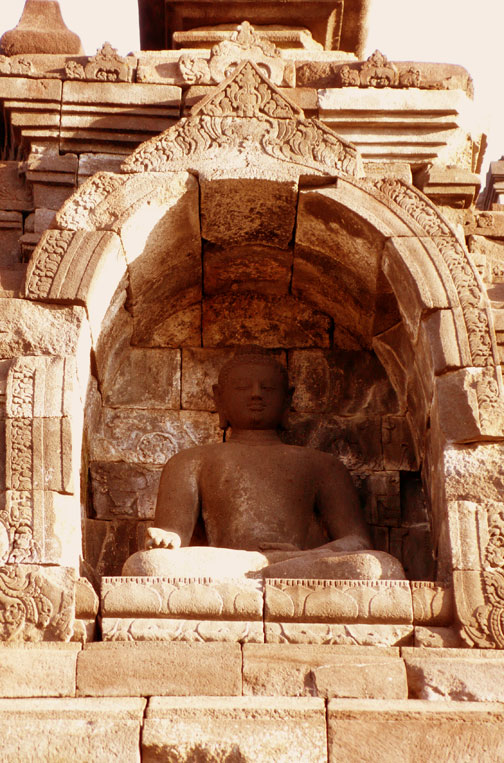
pixel 372 263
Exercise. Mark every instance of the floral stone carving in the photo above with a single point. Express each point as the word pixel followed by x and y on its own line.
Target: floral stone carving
pixel 106 66
pixel 268 123
pixel 36 603
pixel 227 55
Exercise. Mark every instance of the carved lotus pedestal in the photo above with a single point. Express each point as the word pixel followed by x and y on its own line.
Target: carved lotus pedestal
pixel 276 611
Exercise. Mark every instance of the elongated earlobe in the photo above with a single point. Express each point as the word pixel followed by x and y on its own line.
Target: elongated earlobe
pixel 223 420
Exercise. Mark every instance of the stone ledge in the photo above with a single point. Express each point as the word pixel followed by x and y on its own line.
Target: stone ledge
pixel 246 728
pixel 77 729
pixel 395 731
pixel 38 670
pixel 323 671
pixel 119 669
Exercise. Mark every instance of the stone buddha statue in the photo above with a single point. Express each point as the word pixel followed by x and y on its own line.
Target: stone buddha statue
pixel 269 509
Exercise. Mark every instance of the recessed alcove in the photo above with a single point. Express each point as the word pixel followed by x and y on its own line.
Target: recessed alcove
pixel 318 297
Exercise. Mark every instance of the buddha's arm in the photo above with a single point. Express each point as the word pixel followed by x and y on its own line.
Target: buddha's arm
pixel 339 506
pixel 177 504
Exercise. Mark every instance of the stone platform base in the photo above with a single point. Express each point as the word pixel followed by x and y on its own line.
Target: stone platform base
pixel 243 729
pixel 253 702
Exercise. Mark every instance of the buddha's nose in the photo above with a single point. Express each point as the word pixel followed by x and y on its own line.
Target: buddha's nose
pixel 256 390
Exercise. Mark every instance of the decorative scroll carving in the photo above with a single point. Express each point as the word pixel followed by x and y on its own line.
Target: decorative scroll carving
pixel 182 630
pixel 21 67
pixel 36 604
pixel 494 552
pixel 270 124
pixel 49 256
pixel 20 454
pixel 483 624
pixel 227 55
pixel 106 66
pixel 326 633
pixel 463 274
pixel 17 543
pixel 377 71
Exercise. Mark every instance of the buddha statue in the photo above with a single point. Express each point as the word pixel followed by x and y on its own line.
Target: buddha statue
pixel 269 509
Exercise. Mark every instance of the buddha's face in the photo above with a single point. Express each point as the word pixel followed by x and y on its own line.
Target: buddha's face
pixel 253 396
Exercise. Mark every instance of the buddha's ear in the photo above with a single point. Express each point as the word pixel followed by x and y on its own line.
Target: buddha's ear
pixel 223 422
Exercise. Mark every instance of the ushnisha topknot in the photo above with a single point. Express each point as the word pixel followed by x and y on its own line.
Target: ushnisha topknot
pixel 251 355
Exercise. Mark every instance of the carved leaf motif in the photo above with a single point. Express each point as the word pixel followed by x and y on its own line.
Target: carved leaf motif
pixel 31 607
pixel 46 261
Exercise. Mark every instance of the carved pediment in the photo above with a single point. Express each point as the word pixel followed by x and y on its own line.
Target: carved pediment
pixel 244 122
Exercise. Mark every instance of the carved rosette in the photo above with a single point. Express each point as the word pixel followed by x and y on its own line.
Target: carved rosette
pixel 245 116
pixel 377 71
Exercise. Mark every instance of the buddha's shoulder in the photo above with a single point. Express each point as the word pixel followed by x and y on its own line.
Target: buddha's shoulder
pixel 195 455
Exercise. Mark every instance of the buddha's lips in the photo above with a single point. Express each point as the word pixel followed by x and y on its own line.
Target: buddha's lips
pixel 256 407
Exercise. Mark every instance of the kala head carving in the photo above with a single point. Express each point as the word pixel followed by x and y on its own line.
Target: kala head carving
pixel 269 509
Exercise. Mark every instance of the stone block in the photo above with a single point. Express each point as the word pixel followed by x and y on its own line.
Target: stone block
pixel 356 440
pixel 239 728
pixel 40 526
pixel 122 490
pixel 76 729
pixel 14 193
pixel 463 411
pixel 30 329
pixel 37 602
pixel 181 328
pixel 383 501
pixel 172 598
pixel 393 731
pixel 248 210
pixel 338 634
pixel 474 472
pixel 42 387
pixel 147 378
pixel 443 341
pixel 118 669
pixel 193 631
pixel 421 281
pixel 108 543
pixel 453 186
pixel 342 382
pixel 39 454
pixel 335 267
pixel 271 321
pixel 45 670
pixel 434 637
pixel 323 671
pixel 51 197
pixel 397 442
pixel 87 603
pixel 151 436
pixel 250 267
pixel 347 601
pixel 456 675
pixel 493 252
pixel 432 603
pixel 91 163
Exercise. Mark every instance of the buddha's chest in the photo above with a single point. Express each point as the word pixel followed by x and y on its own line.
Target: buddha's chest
pixel 248 475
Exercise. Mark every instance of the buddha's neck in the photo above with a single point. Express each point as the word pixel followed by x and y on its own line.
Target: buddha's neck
pixel 254 436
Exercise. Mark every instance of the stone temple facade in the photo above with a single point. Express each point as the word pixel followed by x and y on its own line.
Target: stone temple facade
pixel 248 178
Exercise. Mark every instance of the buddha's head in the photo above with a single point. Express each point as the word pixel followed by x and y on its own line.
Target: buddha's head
pixel 253 391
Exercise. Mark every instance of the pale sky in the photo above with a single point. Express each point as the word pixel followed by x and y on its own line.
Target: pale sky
pixel 453 31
